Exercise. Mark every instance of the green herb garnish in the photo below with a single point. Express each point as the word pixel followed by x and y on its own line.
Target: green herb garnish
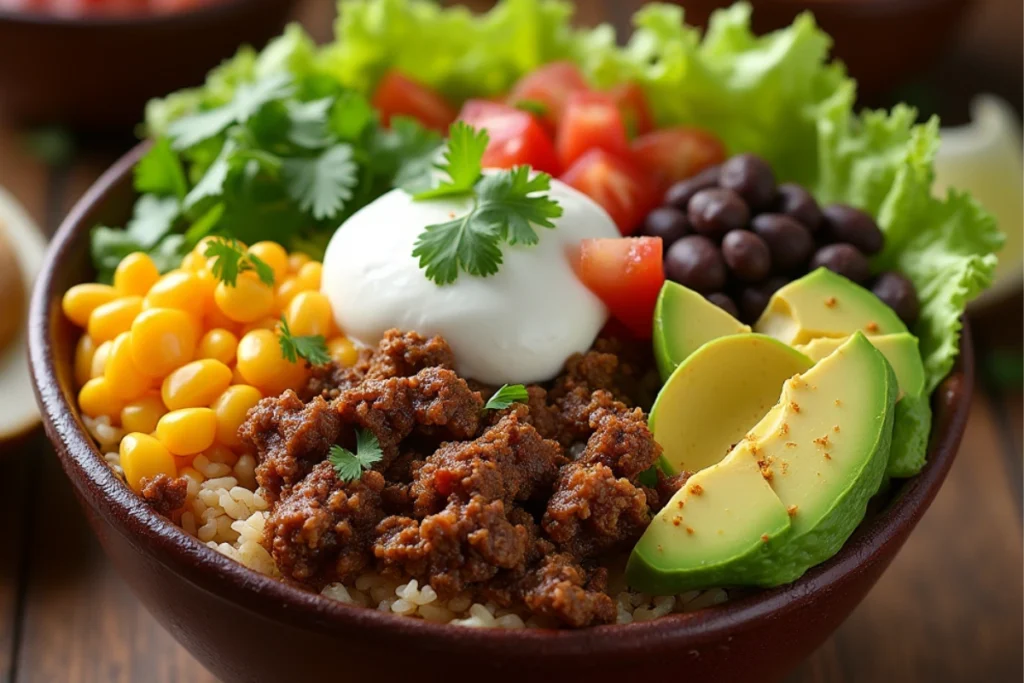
pixel 349 466
pixel 506 396
pixel 231 259
pixel 312 348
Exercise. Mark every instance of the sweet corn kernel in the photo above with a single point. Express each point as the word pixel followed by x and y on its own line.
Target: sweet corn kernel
pixel 261 364
pixel 113 318
pixel 99 359
pixel 143 457
pixel 231 408
pixel 135 274
pixel 142 414
pixel 195 384
pixel 126 380
pixel 187 431
pixel 274 255
pixel 85 351
pixel 247 301
pixel 193 262
pixel 218 453
pixel 81 300
pixel 218 344
pixel 178 289
pixel 309 275
pixel 286 291
pixel 162 339
pixel 268 323
pixel 343 351
pixel 97 398
pixel 215 318
pixel 309 313
pixel 297 260
pixel 209 283
pixel 236 377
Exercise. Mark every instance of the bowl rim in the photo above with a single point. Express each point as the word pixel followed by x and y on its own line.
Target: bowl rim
pixel 213 11
pixel 214 573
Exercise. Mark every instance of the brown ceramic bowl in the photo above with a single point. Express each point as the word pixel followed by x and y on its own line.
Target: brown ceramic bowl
pixel 96 72
pixel 246 627
pixel 882 42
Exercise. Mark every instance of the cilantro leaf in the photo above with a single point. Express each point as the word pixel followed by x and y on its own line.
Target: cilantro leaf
pixel 407 152
pixel 312 348
pixel 506 396
pixel 510 199
pixel 349 466
pixel 466 242
pixel 307 123
pixel 212 182
pixel 463 162
pixel 160 172
pixel 231 259
pixel 350 116
pixel 323 184
pixel 152 218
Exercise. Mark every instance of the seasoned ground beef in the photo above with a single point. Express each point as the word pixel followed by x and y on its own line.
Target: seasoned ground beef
pixel 516 506
pixel 166 494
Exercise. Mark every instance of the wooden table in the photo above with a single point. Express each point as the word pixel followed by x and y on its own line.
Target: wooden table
pixel 949 608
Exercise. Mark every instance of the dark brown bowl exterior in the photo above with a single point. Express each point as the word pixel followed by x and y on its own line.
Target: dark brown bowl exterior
pixel 98 73
pixel 246 627
pixel 883 42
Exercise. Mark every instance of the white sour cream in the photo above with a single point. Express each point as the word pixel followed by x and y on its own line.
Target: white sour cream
pixel 517 326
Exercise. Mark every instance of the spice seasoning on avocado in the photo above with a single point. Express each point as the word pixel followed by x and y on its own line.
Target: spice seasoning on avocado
pixel 831 302
pixel 827 456
pixel 822 441
pixel 871 326
pixel 790 444
pixel 791 510
pixel 838 403
pixel 794 406
pixel 677 520
pixel 835 428
pixel 765 538
pixel 696 489
pixel 784 429
pixel 689 530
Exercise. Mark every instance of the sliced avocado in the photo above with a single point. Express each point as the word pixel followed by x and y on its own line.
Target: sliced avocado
pixel 901 350
pixel 824 304
pixel 683 321
pixel 711 400
pixel 718 530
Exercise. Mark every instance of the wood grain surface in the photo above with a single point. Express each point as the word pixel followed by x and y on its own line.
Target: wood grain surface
pixel 949 609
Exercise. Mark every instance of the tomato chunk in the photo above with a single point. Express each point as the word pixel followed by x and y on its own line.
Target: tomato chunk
pixel 397 95
pixel 627 275
pixel 617 185
pixel 673 154
pixel 591 120
pixel 549 86
pixel 516 138
pixel 636 113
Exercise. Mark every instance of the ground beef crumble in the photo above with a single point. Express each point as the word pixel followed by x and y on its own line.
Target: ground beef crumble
pixel 516 506
pixel 165 494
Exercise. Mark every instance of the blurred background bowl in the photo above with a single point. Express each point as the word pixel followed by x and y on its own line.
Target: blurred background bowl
pixel 97 72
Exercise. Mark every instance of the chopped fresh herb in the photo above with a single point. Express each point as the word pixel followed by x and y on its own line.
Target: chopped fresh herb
pixel 535 107
pixel 349 466
pixel 506 396
pixel 231 259
pixel 462 162
pixel 323 184
pixel 160 172
pixel 312 348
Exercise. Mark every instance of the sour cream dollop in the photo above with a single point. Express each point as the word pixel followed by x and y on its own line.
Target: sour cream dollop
pixel 517 326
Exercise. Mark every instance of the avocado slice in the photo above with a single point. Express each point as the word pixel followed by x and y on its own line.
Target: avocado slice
pixel 710 401
pixel 901 350
pixel 683 321
pixel 825 304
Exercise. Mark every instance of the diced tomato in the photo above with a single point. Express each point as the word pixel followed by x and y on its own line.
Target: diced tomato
pixel 617 185
pixel 677 153
pixel 591 120
pixel 550 86
pixel 515 136
pixel 397 95
pixel 632 102
pixel 626 274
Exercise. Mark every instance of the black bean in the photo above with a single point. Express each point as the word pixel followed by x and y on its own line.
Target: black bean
pixel 695 262
pixel 752 178
pixel 668 223
pixel 797 203
pixel 725 302
pixel 680 193
pixel 714 212
pixel 773 284
pixel 846 224
pixel 844 259
pixel 790 242
pixel 752 302
pixel 746 255
pixel 897 292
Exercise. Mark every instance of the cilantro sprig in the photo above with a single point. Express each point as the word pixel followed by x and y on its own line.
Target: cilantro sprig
pixel 231 259
pixel 506 396
pixel 312 348
pixel 349 466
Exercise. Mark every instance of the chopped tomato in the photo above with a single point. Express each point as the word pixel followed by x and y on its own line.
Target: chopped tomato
pixel 515 136
pixel 626 274
pixel 549 86
pixel 397 95
pixel 636 113
pixel 677 153
pixel 616 184
pixel 591 120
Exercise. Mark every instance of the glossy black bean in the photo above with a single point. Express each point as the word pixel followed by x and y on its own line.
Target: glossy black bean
pixel 844 259
pixel 773 284
pixel 752 178
pixel 899 294
pixel 746 255
pixel 789 242
pixel 752 302
pixel 668 223
pixel 725 302
pixel 695 262
pixel 846 224
pixel 797 203
pixel 714 212
pixel 680 193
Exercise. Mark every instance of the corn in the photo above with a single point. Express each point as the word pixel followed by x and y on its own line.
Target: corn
pixel 209 284
pixel 193 262
pixel 297 260
pixel 268 323
pixel 343 351
pixel 113 318
pixel 231 408
pixel 125 379
pixel 261 364
pixel 286 291
pixel 247 301
pixel 187 431
pixel 135 274
pixel 179 289
pixel 97 398
pixel 162 339
pixel 218 344
pixel 143 457
pixel 195 384
pixel 236 377
pixel 99 359
pixel 85 351
pixel 309 275
pixel 309 313
pixel 81 300
pixel 142 414
pixel 215 318
pixel 274 255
